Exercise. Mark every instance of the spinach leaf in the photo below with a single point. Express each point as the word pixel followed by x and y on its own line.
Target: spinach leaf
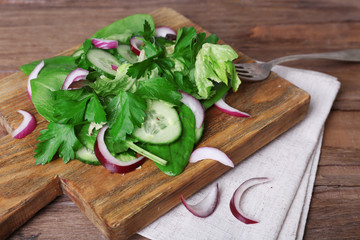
pixel 51 65
pixel 134 23
pixel 220 90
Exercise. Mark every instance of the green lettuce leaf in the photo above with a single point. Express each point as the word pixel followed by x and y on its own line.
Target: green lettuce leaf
pixel 213 63
pixel 104 86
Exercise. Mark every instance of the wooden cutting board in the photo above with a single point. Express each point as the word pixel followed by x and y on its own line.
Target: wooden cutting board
pixel 120 205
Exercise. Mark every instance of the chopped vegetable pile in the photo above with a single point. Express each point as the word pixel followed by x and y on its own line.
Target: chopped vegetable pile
pixel 129 81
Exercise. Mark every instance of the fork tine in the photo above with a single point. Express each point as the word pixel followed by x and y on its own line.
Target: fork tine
pixel 241 71
pixel 244 76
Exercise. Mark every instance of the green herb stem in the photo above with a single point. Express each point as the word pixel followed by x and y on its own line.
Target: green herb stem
pixel 145 153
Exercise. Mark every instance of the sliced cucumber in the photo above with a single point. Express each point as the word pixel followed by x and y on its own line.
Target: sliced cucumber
pixel 125 157
pixel 125 52
pixel 161 126
pixel 77 53
pixel 101 60
pixel 198 133
pixel 85 155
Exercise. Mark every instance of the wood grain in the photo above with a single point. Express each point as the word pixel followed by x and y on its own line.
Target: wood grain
pixel 334 210
pixel 120 205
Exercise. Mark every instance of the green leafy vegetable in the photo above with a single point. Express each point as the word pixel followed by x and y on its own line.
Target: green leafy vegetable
pixel 122 82
pixel 125 112
pixel 134 23
pixel 52 65
pixel 57 137
pixel 213 64
pixel 70 106
pixel 95 111
pixel 82 133
pixel 159 88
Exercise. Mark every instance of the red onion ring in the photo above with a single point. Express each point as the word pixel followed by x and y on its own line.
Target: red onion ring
pixel 195 106
pixel 135 44
pixel 165 32
pixel 206 206
pixel 76 75
pixel 108 160
pixel 26 127
pixel 210 153
pixel 34 74
pixel 114 67
pixel 224 107
pixel 235 202
pixel 104 43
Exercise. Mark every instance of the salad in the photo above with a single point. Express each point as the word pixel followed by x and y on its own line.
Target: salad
pixel 130 91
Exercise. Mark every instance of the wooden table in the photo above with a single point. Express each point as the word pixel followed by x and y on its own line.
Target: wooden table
pixel 31 30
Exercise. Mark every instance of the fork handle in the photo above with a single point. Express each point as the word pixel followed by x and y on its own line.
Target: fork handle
pixel 351 55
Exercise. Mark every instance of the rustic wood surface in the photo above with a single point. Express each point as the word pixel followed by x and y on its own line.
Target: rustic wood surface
pixel 120 205
pixel 261 29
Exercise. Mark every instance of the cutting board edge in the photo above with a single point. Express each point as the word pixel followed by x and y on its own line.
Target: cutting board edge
pixel 26 209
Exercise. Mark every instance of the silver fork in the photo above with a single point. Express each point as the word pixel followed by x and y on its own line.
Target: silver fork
pixel 260 71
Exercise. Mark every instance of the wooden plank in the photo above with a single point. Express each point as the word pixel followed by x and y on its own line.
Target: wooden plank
pixel 121 205
pixel 332 213
pixel 344 130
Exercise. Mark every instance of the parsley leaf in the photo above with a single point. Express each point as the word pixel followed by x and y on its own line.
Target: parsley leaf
pixel 148 32
pixel 184 39
pixel 159 88
pixel 125 112
pixel 75 105
pixel 70 105
pixel 94 111
pixel 57 137
pixel 139 69
pixel 81 61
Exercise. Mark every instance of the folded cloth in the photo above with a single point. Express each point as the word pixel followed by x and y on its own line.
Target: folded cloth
pixel 280 205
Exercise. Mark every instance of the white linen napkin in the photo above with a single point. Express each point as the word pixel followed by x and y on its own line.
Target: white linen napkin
pixel 280 205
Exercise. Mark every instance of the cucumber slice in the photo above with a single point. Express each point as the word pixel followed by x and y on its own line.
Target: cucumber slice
pixel 101 60
pixel 125 157
pixel 77 53
pixel 198 133
pixel 85 155
pixel 125 52
pixel 161 126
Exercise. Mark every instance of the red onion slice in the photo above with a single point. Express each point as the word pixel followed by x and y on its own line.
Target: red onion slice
pixel 114 67
pixel 206 206
pixel 34 74
pixel 108 160
pixel 104 43
pixel 135 44
pixel 224 107
pixel 76 75
pixel 165 32
pixel 235 202
pixel 210 153
pixel 26 127
pixel 195 106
